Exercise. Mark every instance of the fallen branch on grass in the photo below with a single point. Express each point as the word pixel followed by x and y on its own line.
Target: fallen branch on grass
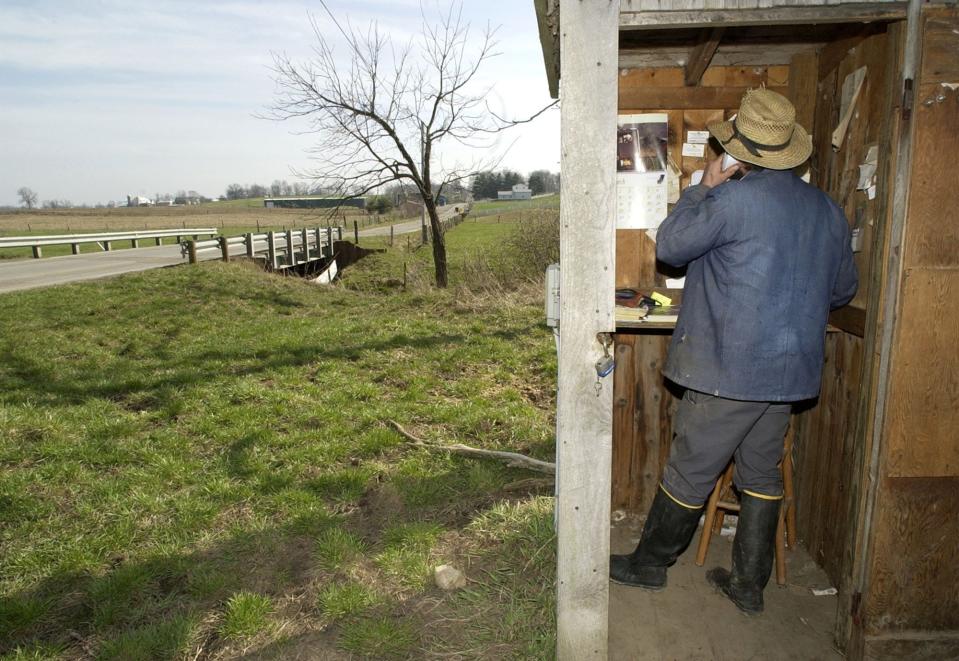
pixel 512 459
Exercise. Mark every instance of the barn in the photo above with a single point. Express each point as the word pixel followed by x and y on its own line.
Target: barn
pixel 876 455
pixel 313 202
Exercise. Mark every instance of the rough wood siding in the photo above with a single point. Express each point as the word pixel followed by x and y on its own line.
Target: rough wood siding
pixel 584 411
pixel 911 595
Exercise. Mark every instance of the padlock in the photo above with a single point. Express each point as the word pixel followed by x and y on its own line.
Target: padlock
pixel 605 366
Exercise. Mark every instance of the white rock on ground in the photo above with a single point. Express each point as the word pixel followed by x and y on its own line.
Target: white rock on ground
pixel 448 577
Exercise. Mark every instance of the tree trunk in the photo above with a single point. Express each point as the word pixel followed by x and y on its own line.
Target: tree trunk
pixel 439 245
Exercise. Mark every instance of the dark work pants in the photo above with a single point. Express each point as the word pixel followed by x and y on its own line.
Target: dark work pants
pixel 709 430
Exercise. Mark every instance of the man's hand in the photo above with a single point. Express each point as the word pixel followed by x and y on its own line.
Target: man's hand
pixel 715 175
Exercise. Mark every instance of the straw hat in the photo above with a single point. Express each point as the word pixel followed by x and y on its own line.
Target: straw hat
pixel 764 132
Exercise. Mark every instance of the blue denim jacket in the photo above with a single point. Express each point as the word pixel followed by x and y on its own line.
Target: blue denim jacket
pixel 768 256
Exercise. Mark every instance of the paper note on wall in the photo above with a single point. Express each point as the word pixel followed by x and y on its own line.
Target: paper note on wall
pixel 694 150
pixel 641 170
pixel 697 137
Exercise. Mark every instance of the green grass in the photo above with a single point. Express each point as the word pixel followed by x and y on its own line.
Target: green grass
pixel 339 601
pixel 491 207
pixel 192 454
pixel 247 614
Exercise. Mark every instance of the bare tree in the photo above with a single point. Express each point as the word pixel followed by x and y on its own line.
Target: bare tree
pixel 28 198
pixel 381 114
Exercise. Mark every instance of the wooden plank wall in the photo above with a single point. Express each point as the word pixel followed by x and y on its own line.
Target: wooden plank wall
pixel 643 402
pixel 830 441
pixel 911 600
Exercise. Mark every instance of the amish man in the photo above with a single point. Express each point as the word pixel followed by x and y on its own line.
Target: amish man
pixel 767 257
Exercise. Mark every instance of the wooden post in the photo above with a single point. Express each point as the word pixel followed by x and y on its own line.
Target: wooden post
pixel 37 252
pixel 250 246
pixel 290 255
pixel 224 248
pixel 356 233
pixel 191 249
pixel 271 249
pixel 391 236
pixel 75 248
pixel 589 33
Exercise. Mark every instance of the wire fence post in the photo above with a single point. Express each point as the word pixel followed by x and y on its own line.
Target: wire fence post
pixel 391 236
pixel 356 233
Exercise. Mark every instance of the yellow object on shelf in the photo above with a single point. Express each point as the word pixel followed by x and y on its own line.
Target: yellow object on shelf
pixel 662 299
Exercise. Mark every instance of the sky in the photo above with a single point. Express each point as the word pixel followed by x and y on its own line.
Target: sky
pixel 103 99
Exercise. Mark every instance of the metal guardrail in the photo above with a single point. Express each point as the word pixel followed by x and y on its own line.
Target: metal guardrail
pixel 280 249
pixel 102 239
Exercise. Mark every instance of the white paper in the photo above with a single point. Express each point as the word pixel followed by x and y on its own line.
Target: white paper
pixel 695 150
pixel 825 592
pixel 696 178
pixel 697 137
pixel 867 170
pixel 676 283
pixel 871 192
pixel 642 186
pixel 641 200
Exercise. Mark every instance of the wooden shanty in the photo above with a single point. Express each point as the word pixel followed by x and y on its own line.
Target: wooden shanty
pixel 877 454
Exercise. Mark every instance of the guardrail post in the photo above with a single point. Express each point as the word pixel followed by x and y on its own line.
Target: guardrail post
pixel 250 248
pixel 290 255
pixel 224 248
pixel 37 252
pixel 271 249
pixel 306 244
pixel 106 246
pixel 159 240
pixel 75 248
pixel 318 240
pixel 134 243
pixel 179 239
pixel 191 249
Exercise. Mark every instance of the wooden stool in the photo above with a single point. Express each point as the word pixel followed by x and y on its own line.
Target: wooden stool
pixel 720 502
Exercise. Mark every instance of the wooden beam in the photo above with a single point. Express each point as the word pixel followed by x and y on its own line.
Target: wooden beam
pixel 702 54
pixel 850 319
pixel 683 98
pixel 589 51
pixel 633 18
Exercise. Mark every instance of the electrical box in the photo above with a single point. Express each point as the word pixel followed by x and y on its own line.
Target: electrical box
pixel 552 295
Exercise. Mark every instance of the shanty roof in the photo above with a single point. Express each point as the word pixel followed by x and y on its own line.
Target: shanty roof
pixel 660 33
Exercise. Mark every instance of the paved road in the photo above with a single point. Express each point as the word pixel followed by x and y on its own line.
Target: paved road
pixel 18 274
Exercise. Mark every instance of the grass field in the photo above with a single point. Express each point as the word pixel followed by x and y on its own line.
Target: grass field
pixel 491 207
pixel 196 463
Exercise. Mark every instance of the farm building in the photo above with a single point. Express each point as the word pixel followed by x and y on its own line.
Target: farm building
pixel 313 202
pixel 876 454
pixel 517 192
pixel 139 201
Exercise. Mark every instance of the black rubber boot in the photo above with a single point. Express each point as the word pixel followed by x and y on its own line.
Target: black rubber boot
pixel 669 527
pixel 752 555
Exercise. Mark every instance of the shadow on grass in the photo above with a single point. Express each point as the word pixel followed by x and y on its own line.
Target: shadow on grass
pixel 24 379
pixel 165 606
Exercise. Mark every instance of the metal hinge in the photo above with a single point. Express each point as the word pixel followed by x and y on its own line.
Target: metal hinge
pixel 907 99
